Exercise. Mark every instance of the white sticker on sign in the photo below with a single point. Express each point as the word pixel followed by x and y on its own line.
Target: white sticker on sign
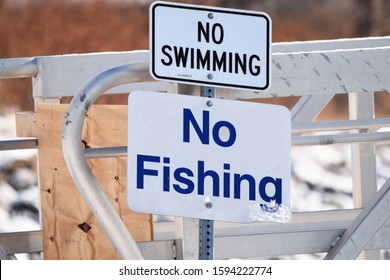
pixel 208 158
pixel 210 46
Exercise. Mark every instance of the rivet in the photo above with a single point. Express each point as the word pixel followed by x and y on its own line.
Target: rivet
pixel 210 76
pixel 210 15
pixel 209 103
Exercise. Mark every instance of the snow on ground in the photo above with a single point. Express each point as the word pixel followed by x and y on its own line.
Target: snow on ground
pixel 8 131
pixel 18 184
pixel 321 180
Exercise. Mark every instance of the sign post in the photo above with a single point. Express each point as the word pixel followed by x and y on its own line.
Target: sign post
pixel 209 159
pixel 206 227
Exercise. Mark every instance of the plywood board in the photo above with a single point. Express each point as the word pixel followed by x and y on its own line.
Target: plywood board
pixel 26 124
pixel 69 229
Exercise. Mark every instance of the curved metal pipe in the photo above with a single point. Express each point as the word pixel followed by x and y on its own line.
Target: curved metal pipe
pixel 74 156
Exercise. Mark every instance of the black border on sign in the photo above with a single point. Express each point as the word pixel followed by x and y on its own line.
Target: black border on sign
pixel 209 9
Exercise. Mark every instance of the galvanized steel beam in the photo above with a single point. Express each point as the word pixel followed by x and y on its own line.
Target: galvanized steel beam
pixel 18 68
pixel 106 152
pixel 340 138
pixel 309 107
pixel 21 242
pixel 312 232
pixel 370 220
pixel 324 72
pixel 367 124
pixel 368 137
pixel 337 44
pixel 18 144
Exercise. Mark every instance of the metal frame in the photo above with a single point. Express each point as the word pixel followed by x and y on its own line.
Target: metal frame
pixel 357 67
pixel 364 227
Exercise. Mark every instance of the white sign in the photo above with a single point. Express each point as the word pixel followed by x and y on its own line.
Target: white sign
pixel 208 158
pixel 210 46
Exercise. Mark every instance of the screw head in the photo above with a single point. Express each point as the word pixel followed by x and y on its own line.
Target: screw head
pixel 209 103
pixel 208 205
pixel 210 76
pixel 210 15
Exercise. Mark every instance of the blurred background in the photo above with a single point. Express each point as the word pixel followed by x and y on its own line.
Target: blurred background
pixel 55 27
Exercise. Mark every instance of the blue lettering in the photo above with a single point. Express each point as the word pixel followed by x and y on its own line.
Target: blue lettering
pixel 203 134
pixel 226 180
pixel 232 135
pixel 185 181
pixel 277 183
pixel 178 177
pixel 141 171
pixel 166 174
pixel 202 174
pixel 251 184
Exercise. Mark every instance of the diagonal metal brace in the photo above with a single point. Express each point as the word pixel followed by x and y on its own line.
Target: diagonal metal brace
pixel 364 227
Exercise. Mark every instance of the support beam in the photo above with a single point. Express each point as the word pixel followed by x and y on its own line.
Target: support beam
pixel 363 158
pixel 21 242
pixel 364 227
pixel 309 107
pixel 187 238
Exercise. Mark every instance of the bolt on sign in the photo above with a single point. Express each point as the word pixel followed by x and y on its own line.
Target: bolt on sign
pixel 210 46
pixel 210 159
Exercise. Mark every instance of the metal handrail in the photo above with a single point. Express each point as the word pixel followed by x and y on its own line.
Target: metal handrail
pixel 106 152
pixel 18 68
pixel 340 138
pixel 18 144
pixel 297 127
pixel 121 151
pixel 74 155
pixel 28 67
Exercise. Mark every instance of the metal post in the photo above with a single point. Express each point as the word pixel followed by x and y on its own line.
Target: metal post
pixel 206 231
pixel 363 158
pixel 206 227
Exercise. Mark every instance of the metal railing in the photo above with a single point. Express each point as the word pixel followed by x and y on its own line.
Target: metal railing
pixel 76 162
pixel 18 68
pixel 318 231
